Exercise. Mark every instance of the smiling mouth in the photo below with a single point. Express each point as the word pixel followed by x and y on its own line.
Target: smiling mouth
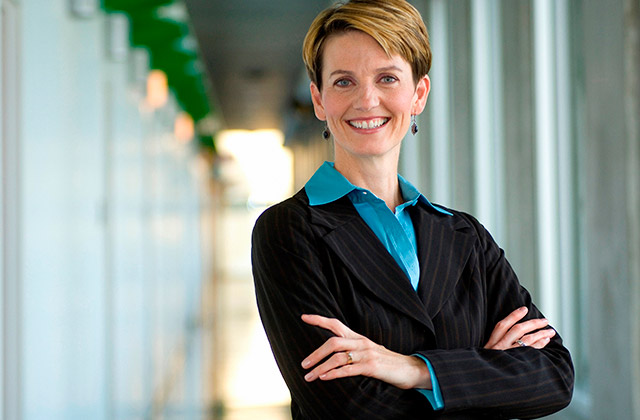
pixel 369 124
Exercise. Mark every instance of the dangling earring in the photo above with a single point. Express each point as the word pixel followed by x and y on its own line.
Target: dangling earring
pixel 414 124
pixel 325 133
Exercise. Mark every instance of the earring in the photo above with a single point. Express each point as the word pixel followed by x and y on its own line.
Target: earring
pixel 325 133
pixel 414 124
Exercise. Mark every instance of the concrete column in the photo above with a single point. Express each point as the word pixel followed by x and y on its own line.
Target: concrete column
pixel 611 197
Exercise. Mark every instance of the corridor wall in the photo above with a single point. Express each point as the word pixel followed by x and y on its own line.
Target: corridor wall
pixel 101 265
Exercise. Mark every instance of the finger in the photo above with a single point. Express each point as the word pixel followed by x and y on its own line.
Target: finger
pixel 539 335
pixel 539 339
pixel 504 325
pixel 540 344
pixel 326 370
pixel 331 324
pixel 341 372
pixel 529 326
pixel 332 345
pixel 517 331
pixel 521 330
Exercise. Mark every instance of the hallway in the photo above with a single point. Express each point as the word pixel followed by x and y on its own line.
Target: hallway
pixel 136 155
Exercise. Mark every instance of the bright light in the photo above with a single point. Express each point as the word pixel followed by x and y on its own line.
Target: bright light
pixel 266 164
pixel 183 127
pixel 157 89
pixel 256 381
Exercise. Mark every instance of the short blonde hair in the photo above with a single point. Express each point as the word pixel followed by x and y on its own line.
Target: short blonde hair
pixel 395 24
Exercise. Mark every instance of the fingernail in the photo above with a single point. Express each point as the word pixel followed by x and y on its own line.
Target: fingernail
pixel 523 309
pixel 324 375
pixel 305 363
pixel 308 377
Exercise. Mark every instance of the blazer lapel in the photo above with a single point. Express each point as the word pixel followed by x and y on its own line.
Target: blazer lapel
pixel 443 250
pixel 362 252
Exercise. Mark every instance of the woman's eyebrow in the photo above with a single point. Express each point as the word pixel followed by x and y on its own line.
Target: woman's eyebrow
pixel 380 70
pixel 389 68
pixel 341 72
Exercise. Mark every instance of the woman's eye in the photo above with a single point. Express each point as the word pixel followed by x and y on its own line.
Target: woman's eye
pixel 342 82
pixel 388 79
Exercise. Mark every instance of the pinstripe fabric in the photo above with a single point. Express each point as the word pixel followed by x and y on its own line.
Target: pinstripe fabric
pixel 325 260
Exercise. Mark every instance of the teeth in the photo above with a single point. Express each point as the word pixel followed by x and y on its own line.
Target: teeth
pixel 369 124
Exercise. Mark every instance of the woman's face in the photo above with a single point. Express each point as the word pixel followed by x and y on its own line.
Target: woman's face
pixel 367 98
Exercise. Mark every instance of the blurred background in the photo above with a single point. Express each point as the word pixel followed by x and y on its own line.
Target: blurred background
pixel 140 139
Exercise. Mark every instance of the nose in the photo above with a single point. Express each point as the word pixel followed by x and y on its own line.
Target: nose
pixel 367 98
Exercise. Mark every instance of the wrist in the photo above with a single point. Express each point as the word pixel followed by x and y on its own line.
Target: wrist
pixel 422 377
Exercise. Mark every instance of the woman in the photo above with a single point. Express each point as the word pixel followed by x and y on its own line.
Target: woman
pixel 378 304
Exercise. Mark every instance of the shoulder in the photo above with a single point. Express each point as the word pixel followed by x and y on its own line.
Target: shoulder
pixel 462 222
pixel 294 209
pixel 456 219
pixel 282 223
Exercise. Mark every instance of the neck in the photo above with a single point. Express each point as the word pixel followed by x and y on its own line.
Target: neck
pixel 378 176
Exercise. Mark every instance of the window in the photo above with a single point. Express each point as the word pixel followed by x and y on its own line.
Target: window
pixel 9 219
pixel 502 142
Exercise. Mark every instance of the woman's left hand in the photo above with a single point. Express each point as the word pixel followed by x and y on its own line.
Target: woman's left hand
pixel 510 333
pixel 351 354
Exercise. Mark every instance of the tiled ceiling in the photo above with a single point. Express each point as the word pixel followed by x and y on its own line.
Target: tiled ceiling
pixel 252 52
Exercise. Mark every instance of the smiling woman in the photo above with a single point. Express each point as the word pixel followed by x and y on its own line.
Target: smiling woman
pixel 367 100
pixel 378 304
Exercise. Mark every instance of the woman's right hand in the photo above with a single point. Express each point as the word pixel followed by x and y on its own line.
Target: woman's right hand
pixel 508 334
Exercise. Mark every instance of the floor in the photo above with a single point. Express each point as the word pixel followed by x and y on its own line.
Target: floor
pixel 247 382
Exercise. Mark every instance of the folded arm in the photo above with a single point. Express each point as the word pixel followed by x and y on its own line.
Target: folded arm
pixel 289 282
pixel 348 353
pixel 293 276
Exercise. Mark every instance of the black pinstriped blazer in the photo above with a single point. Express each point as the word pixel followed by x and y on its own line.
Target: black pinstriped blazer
pixel 325 260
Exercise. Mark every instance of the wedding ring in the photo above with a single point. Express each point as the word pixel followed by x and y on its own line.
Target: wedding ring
pixel 521 343
pixel 349 358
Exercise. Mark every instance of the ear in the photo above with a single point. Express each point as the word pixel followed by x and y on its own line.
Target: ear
pixel 422 93
pixel 316 98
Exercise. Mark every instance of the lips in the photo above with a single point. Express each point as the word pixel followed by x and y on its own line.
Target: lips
pixel 368 124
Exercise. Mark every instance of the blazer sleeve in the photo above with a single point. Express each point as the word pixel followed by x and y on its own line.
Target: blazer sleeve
pixel 289 264
pixel 517 383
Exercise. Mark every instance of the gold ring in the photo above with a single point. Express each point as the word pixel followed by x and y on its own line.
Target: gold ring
pixel 521 343
pixel 349 358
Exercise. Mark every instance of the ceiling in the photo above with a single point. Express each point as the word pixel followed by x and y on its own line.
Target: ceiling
pixel 252 53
